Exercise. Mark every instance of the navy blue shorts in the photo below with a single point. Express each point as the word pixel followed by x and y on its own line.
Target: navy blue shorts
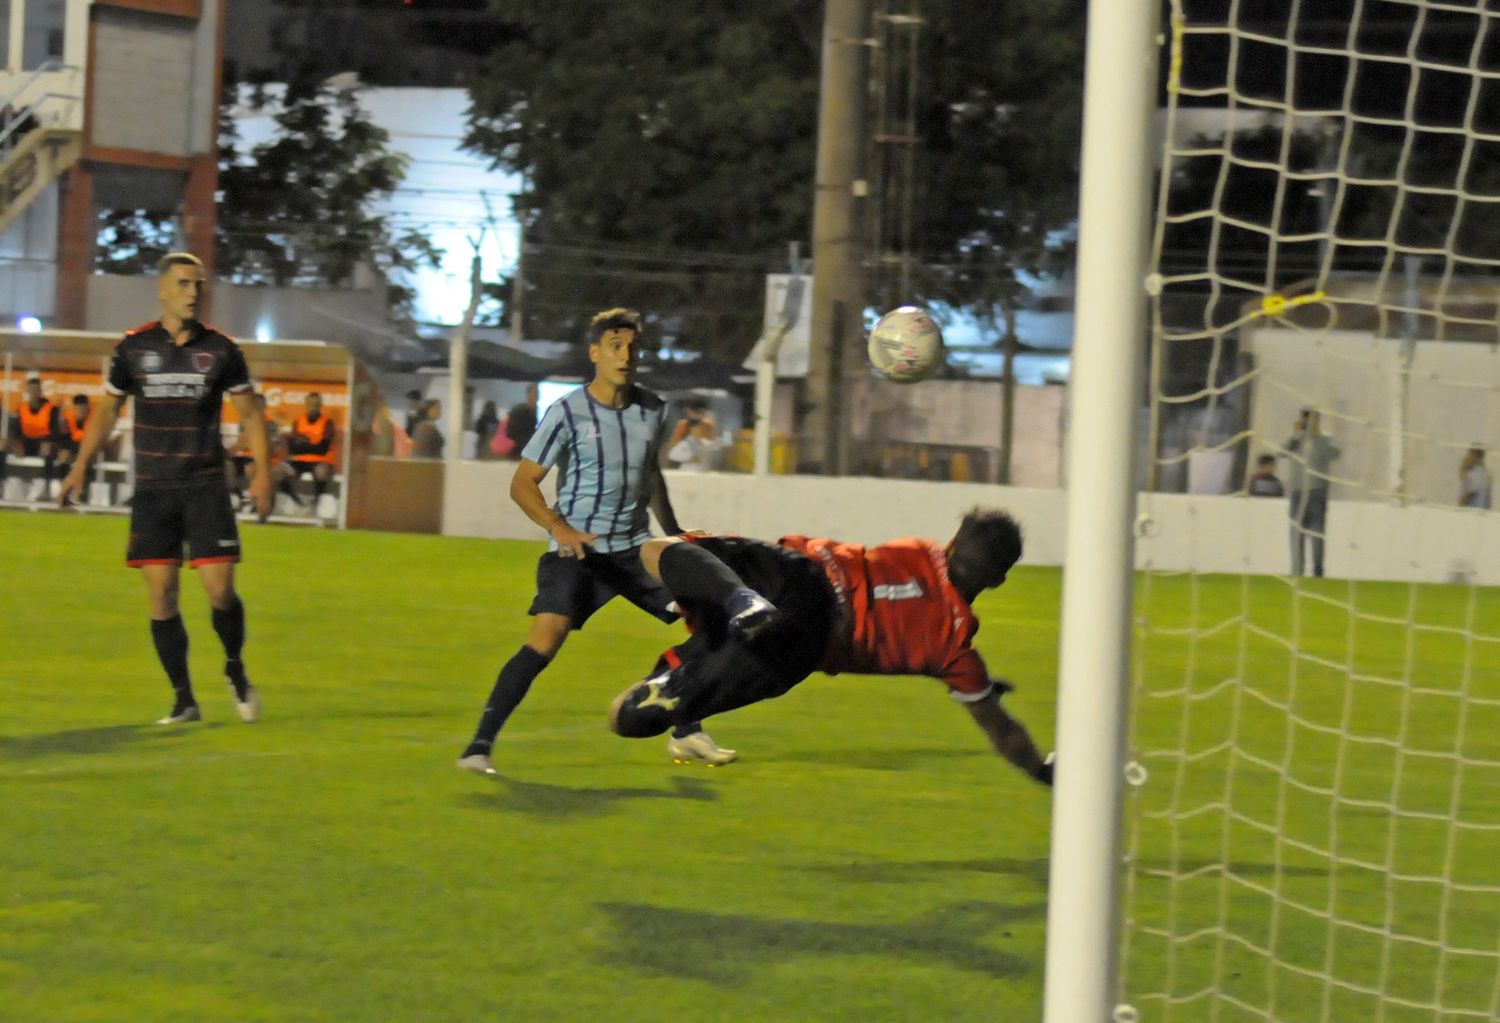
pixel 576 588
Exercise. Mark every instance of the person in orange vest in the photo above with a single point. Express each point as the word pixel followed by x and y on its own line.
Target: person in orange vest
pixel 310 449
pixel 74 421
pixel 35 428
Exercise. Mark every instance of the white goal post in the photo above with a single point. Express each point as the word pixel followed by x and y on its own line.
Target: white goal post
pixel 1093 680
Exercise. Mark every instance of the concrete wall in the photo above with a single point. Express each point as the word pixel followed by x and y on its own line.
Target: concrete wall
pixel 144 81
pixel 1355 379
pixel 967 414
pixel 28 261
pixel 1177 532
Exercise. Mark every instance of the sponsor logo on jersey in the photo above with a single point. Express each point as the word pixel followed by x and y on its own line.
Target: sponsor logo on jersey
pixel 150 362
pixel 898 591
pixel 174 385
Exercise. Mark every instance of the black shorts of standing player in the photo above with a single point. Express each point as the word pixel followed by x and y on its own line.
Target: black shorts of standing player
pixel 715 672
pixel 198 517
pixel 577 587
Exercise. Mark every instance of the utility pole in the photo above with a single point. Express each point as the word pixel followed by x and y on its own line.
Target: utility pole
pixel 518 288
pixel 458 361
pixel 838 293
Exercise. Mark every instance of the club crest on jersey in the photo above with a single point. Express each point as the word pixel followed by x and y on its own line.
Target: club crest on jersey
pixel 150 362
pixel 203 361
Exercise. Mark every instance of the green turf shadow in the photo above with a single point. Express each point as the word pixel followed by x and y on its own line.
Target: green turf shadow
pixel 86 741
pixel 730 949
pixel 905 872
pixel 539 799
pixel 884 758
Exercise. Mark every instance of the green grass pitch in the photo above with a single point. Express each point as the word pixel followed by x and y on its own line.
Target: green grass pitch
pixel 868 859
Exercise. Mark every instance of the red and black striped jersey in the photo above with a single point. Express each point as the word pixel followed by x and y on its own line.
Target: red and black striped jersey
pixel 899 613
pixel 179 400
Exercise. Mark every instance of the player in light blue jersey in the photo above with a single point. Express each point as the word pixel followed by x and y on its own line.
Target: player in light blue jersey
pixel 605 441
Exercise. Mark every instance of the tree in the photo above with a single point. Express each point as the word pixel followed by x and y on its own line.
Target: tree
pixel 655 133
pixel 297 209
pixel 667 149
pixel 1001 131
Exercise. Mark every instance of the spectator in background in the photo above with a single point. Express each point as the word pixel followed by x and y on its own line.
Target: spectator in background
pixel 484 430
pixel 520 421
pixel 382 432
pixel 1312 454
pixel 35 429
pixel 695 443
pixel 74 421
pixel 310 450
pixel 1474 480
pixel 415 410
pixel 1263 482
pixel 426 438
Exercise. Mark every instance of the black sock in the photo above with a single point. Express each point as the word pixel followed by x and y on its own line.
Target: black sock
pixel 229 623
pixel 320 487
pixel 683 731
pixel 510 689
pixel 171 640
pixel 694 576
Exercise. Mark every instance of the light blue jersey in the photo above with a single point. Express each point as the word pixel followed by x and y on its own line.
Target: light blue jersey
pixel 603 457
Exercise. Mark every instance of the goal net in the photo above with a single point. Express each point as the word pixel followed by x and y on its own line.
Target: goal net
pixel 1313 827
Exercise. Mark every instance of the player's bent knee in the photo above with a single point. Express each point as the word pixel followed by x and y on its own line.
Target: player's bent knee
pixel 651 552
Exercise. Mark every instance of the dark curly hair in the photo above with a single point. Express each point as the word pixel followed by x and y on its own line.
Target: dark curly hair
pixel 987 544
pixel 613 319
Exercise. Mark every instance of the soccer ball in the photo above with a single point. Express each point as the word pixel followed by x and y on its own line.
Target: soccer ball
pixel 906 345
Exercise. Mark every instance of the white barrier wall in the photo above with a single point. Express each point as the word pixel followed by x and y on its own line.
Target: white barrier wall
pixel 1176 532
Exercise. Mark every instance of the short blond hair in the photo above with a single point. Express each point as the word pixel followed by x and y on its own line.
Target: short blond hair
pixel 172 259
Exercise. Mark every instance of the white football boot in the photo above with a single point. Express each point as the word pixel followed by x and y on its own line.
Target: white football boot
pixel 699 748
pixel 248 708
pixel 476 762
pixel 181 715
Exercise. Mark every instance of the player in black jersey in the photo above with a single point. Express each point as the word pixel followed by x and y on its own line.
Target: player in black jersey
pixel 178 371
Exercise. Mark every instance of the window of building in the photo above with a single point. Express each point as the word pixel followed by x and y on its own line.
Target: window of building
pixel 43 38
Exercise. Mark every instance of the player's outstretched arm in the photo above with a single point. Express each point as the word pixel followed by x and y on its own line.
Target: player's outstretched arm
pixel 1009 737
pixel 526 491
pixel 100 423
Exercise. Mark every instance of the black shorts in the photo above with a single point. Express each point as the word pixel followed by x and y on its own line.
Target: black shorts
pixel 713 672
pixel 577 588
pixel 31 447
pixel 301 468
pixel 164 520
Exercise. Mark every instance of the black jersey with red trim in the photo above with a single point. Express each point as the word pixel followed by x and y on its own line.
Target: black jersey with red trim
pixel 179 399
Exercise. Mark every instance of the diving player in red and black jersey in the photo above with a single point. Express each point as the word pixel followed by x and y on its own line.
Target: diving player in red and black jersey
pixel 900 608
pixel 178 371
